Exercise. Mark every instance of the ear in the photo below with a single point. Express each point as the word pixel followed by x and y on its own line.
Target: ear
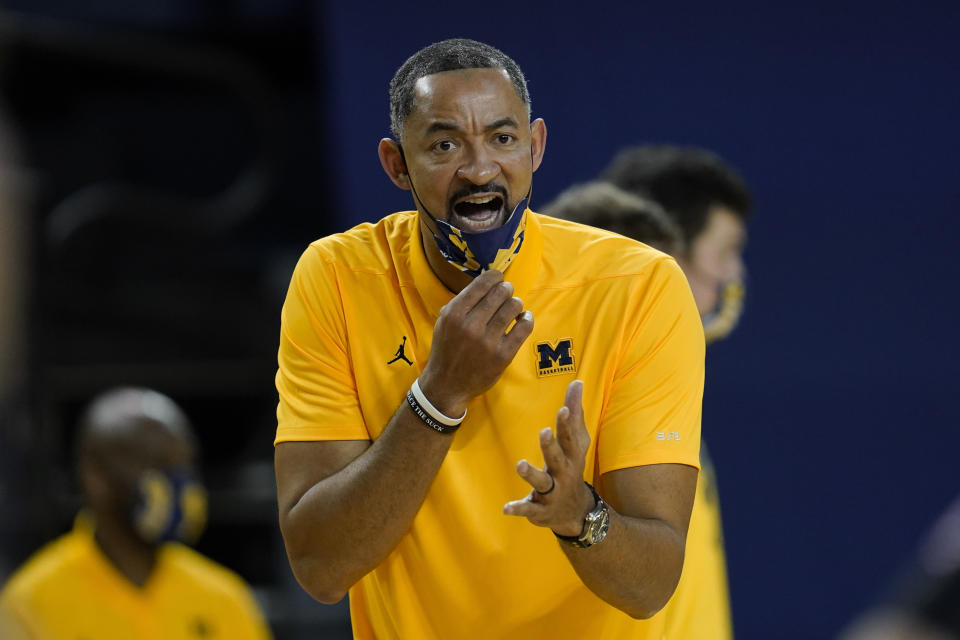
pixel 392 162
pixel 96 488
pixel 538 141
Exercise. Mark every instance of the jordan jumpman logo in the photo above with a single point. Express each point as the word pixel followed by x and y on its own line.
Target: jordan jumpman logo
pixel 400 355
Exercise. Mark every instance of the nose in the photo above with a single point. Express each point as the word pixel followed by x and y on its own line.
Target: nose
pixel 479 166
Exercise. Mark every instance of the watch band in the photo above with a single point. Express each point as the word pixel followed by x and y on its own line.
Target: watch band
pixel 590 534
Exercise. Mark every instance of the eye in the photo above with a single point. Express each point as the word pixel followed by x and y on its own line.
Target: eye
pixel 505 138
pixel 444 146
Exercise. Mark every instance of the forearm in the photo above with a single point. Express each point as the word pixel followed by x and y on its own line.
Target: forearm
pixel 637 565
pixel 635 568
pixel 347 523
pixel 345 506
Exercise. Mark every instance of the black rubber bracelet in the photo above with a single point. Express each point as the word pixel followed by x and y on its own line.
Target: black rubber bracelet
pixel 427 420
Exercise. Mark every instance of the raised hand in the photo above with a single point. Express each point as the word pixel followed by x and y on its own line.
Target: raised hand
pixel 471 344
pixel 559 498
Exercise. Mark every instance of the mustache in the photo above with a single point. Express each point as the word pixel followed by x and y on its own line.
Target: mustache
pixel 474 189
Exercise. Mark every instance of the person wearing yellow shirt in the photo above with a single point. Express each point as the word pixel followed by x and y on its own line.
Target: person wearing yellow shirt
pixel 692 205
pixel 486 427
pixel 121 573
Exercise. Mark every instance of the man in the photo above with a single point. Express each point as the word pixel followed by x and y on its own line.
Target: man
pixel 118 574
pixel 418 485
pixel 710 204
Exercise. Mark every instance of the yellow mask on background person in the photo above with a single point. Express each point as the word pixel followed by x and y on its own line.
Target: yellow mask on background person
pixel 721 321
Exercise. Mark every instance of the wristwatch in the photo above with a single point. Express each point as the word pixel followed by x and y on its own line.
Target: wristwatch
pixel 595 525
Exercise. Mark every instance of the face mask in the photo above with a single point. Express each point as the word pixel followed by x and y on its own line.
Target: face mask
pixel 721 321
pixel 169 506
pixel 474 253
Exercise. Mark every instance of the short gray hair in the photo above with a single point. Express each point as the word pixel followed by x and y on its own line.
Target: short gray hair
pixel 448 55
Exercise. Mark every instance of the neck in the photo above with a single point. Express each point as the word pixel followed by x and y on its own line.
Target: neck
pixel 451 277
pixel 126 551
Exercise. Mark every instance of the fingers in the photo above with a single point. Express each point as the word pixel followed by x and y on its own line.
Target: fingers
pixel 553 455
pixel 507 313
pixel 471 344
pixel 471 294
pixel 536 512
pixel 564 456
pixel 487 306
pixel 541 481
pixel 518 334
pixel 572 434
pixel 574 398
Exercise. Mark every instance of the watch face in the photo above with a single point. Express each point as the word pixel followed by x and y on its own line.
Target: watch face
pixel 598 523
pixel 603 525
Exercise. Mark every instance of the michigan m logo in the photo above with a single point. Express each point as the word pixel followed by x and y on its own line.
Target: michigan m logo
pixel 554 360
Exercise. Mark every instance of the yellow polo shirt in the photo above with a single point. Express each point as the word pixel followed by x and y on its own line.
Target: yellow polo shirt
pixel 700 607
pixel 70 591
pixel 607 310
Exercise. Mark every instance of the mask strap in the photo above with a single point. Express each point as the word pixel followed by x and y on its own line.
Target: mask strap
pixel 413 189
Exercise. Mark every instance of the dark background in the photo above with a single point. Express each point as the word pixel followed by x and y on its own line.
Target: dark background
pixel 831 412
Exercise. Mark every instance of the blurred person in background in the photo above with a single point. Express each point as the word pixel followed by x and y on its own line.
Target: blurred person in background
pixel 122 573
pixel 605 206
pixel 711 204
pixel 707 204
pixel 925 603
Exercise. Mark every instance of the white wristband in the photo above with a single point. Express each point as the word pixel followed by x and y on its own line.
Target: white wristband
pixel 432 410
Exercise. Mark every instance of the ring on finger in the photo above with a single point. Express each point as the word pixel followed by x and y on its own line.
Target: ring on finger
pixel 553 485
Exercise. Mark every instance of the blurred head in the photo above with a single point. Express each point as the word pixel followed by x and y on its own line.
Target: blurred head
pixel 707 199
pixel 603 205
pixel 466 149
pixel 137 461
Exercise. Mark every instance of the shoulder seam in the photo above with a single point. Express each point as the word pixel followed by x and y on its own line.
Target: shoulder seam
pixel 626 274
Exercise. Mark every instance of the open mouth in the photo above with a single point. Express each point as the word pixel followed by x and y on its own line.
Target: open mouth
pixel 478 212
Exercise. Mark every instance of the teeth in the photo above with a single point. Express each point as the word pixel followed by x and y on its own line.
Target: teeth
pixel 479 199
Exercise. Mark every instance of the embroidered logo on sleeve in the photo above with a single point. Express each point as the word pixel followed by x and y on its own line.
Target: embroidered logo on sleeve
pixel 555 359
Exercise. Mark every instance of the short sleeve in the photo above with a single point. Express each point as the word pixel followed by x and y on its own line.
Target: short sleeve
pixel 652 414
pixel 315 382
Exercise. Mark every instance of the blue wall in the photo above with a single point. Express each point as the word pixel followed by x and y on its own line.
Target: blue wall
pixel 832 412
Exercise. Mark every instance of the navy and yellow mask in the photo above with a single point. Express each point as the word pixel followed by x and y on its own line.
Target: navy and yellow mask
pixel 169 506
pixel 474 253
